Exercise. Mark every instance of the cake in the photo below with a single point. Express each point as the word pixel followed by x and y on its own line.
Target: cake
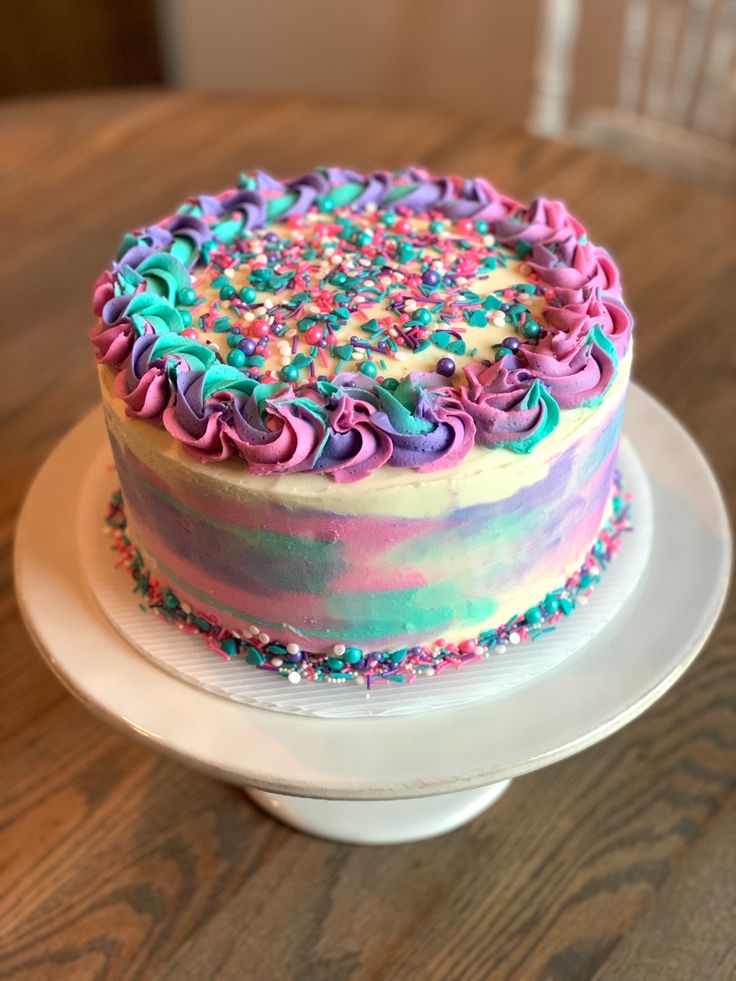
pixel 365 426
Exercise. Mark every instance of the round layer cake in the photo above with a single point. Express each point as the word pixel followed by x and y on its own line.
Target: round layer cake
pixel 366 426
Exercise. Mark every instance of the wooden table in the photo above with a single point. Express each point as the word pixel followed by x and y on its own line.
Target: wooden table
pixel 617 863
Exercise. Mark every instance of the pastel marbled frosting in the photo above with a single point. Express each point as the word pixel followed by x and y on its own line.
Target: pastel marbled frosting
pixel 370 510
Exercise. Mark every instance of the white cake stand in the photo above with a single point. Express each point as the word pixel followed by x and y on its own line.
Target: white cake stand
pixel 389 779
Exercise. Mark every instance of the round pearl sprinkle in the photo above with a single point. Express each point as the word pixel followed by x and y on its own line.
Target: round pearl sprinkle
pixel 369 369
pixel 512 343
pixel 531 330
pixel 292 648
pixel 446 367
pixel 294 677
pixel 236 358
pixel 248 294
pixel 338 650
pixel 514 637
pixel 423 316
pixel 289 373
pixel 431 277
pixel 187 297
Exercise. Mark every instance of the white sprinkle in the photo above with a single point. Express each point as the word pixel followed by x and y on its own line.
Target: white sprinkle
pixel 294 677
pixel 268 304
pixel 410 306
pixel 254 631
pixel 264 638
pixel 336 259
pixel 261 311
pixel 500 648
pixel 514 638
pixel 312 308
pixel 293 648
pixel 489 240
pixel 461 281
pixel 582 599
pixel 430 672
pixel 277 661
pixel 359 679
pixel 338 650
pixel 249 315
pixel 400 356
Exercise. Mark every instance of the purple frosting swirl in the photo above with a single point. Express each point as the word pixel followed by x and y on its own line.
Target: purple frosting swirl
pixel 446 443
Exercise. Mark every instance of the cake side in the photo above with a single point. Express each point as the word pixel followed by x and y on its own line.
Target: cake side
pixel 387 562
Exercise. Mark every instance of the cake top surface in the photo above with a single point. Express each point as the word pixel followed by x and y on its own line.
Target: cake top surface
pixel 340 322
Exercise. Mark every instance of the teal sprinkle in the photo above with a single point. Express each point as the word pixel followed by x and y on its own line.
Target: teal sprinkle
pixel 476 318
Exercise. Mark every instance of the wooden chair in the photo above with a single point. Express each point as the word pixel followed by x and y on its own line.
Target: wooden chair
pixel 651 80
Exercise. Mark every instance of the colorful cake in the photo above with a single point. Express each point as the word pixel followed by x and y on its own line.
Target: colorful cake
pixel 365 426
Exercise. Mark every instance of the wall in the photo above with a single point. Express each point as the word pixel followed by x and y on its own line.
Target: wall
pixel 473 56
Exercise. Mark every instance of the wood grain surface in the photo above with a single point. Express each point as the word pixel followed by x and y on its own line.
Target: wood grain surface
pixel 617 863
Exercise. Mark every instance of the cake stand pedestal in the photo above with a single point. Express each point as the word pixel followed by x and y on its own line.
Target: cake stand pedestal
pixel 382 780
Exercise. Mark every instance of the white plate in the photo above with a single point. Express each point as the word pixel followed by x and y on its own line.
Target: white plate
pixel 615 677
pixel 189 658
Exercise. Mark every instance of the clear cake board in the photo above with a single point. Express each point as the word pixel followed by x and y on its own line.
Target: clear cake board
pixel 188 657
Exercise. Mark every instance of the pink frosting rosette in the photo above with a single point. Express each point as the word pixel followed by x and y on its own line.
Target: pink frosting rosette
pixel 509 407
pixel 576 312
pixel 268 427
pixel 575 265
pixel 355 446
pixel 576 371
pixel 435 433
pixel 543 221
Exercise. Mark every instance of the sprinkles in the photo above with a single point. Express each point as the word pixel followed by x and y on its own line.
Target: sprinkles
pixel 344 663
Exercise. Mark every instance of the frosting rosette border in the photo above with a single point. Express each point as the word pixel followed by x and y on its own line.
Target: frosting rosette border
pixel 350 425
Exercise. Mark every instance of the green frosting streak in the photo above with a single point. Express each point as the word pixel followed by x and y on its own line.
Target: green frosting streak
pixel 345 193
pixel 198 356
pixel 183 249
pixel 164 274
pixel 149 308
pixel 537 396
pixel 602 341
pixel 224 378
pixel 228 229
pixel 277 206
pixel 399 191
pixel 400 406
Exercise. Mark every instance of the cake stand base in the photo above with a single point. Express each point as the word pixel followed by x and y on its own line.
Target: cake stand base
pixel 379 822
